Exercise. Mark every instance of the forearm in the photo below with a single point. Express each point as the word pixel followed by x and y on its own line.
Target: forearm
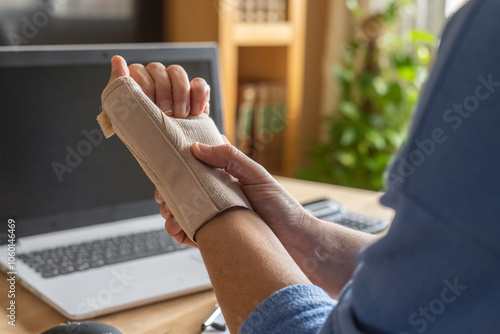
pixel 327 253
pixel 246 263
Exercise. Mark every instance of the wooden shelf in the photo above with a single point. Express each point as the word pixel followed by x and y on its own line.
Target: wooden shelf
pixel 291 35
pixel 277 53
pixel 263 34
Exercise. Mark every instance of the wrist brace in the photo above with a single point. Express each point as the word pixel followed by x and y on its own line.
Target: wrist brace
pixel 194 192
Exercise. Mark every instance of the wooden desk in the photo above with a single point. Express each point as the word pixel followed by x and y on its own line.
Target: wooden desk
pixel 185 314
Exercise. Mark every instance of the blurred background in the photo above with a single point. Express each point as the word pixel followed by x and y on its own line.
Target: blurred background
pixel 322 90
pixel 42 22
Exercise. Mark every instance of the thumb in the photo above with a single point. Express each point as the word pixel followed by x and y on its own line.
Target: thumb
pixel 233 161
pixel 118 68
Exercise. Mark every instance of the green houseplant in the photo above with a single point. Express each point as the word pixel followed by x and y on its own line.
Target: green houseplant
pixel 380 79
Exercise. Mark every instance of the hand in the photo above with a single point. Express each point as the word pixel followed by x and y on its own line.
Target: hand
pixel 325 252
pixel 283 214
pixel 169 88
pixel 171 225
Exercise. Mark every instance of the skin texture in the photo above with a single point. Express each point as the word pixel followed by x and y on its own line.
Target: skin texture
pixel 249 255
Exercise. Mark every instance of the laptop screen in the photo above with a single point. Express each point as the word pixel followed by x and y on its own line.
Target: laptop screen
pixel 56 169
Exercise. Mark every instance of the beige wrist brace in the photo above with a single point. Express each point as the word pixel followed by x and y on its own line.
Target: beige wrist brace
pixel 194 192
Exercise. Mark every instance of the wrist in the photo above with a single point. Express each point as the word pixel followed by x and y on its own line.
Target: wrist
pixel 301 239
pixel 224 221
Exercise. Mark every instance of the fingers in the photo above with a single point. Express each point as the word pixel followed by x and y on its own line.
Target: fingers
pixel 118 68
pixel 171 226
pixel 163 87
pixel 235 163
pixel 158 197
pixel 180 90
pixel 164 210
pixel 169 88
pixel 175 231
pixel 200 96
pixel 139 73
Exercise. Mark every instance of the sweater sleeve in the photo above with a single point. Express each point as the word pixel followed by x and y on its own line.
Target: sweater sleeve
pixel 297 309
pixel 436 270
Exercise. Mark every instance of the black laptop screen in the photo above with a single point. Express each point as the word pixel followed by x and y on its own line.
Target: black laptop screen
pixel 56 169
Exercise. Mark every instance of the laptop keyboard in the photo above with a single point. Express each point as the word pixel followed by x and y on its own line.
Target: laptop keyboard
pixel 357 222
pixel 331 211
pixel 87 255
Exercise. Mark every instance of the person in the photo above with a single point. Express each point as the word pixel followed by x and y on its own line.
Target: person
pixel 278 269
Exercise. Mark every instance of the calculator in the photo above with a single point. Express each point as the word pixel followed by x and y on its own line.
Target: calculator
pixel 331 211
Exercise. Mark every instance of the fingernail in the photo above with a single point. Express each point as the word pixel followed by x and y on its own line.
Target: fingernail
pixel 180 110
pixel 204 148
pixel 113 64
pixel 195 107
pixel 169 212
pixel 166 106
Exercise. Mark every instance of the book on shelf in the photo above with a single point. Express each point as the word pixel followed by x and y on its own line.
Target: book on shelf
pixel 261 11
pixel 244 121
pixel 261 123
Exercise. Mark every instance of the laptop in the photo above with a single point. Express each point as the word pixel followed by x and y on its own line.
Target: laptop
pixel 79 225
